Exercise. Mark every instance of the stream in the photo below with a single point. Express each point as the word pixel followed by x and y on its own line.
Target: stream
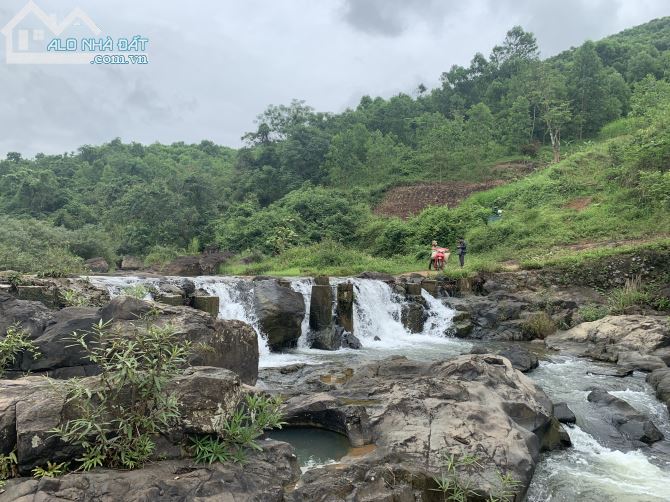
pixel 598 468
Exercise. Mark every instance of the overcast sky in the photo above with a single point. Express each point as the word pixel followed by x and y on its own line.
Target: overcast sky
pixel 216 64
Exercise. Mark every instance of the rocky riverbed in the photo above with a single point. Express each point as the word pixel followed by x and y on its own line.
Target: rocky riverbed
pixel 414 379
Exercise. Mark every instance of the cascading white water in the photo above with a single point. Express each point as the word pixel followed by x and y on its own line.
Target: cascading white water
pixel 591 470
pixel 377 311
pixel 236 301
pixel 304 287
pixel 440 317
pixel 116 285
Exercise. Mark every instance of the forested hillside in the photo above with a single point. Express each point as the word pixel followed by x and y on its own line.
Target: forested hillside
pixel 299 196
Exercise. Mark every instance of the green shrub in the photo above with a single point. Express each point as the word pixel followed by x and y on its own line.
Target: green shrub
pixel 139 291
pixel 33 246
pixel 631 294
pixel 538 325
pixel 453 489
pixel 589 313
pixel 8 469
pixel 118 419
pixel 53 470
pixel 73 298
pixel 238 432
pixel 15 342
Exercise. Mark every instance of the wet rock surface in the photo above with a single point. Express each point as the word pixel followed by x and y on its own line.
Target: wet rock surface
pixel 280 312
pixel 660 380
pixel 627 420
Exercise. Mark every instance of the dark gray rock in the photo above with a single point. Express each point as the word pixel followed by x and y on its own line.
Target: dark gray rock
pixel 413 316
pixel 350 341
pixel 321 308
pixel 203 392
pixel 630 423
pixel 660 381
pixel 280 312
pixel 327 339
pixel 522 359
pixel 188 286
pixel 461 329
pixel 564 414
pixel 56 346
pixel 125 308
pixel 31 316
pixel 220 343
pixel 344 314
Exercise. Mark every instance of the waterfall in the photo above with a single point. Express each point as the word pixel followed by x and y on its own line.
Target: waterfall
pixel 377 313
pixel 304 287
pixel 236 301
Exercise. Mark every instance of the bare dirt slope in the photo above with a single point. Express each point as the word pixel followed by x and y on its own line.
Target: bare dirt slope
pixel 405 201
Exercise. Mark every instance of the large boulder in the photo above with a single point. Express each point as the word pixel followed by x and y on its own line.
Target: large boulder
pixel 228 344
pixel 521 359
pixel 59 355
pixel 660 380
pixel 280 312
pixel 31 316
pixel 263 478
pixel 633 360
pixel 31 407
pixel 220 343
pixel 564 414
pixel 630 422
pixel 183 266
pixel 610 336
pixel 413 316
pixel 97 265
pixel 204 392
pixel 416 414
pixel 125 308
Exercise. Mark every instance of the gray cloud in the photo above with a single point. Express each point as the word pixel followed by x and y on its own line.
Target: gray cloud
pixel 214 65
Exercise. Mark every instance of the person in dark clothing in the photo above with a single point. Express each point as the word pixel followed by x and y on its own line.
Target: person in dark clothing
pixel 462 249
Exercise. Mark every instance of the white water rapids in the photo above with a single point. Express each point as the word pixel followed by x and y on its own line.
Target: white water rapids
pixel 376 314
pixel 593 470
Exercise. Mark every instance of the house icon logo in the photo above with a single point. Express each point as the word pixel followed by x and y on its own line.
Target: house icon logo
pixel 28 33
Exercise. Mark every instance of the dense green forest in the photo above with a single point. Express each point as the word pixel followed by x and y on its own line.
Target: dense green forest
pixel 298 197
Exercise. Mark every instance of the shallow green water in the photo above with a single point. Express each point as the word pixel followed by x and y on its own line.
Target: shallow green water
pixel 313 447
